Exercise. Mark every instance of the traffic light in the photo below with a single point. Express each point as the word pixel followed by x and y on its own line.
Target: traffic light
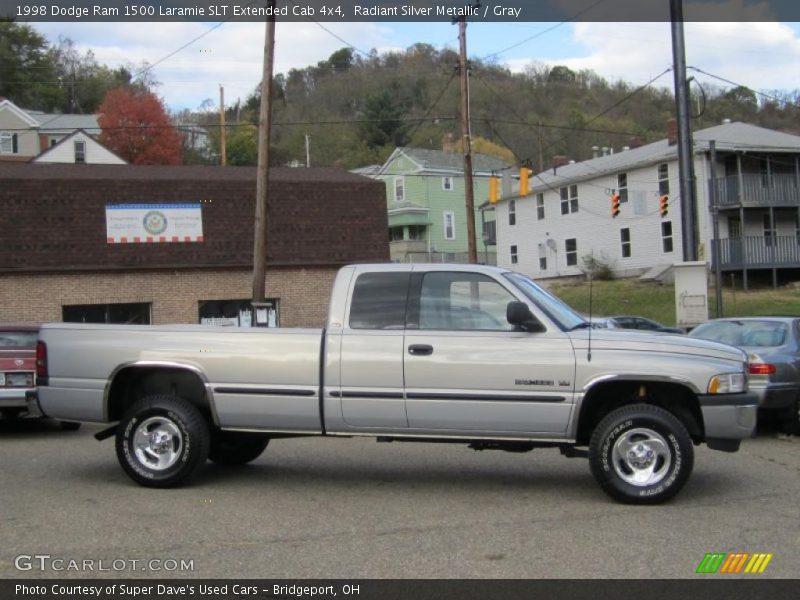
pixel 614 205
pixel 524 174
pixel 494 189
pixel 663 205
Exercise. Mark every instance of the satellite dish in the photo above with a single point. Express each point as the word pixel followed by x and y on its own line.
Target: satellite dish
pixel 551 243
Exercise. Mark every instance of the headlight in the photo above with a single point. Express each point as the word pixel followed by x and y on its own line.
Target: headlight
pixel 727 383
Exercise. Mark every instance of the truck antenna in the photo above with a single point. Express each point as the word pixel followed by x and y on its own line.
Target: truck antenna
pixel 591 325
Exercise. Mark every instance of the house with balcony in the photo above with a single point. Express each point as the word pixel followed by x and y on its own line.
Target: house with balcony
pixel 427 214
pixel 567 215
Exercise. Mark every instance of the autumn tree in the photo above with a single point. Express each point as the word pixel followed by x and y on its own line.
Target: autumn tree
pixel 136 126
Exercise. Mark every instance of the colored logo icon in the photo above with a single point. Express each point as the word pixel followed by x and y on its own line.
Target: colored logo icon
pixel 734 563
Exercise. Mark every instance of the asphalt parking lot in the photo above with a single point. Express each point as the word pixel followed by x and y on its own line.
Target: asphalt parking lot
pixel 358 509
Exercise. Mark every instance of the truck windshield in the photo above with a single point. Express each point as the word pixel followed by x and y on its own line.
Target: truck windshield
pixel 555 308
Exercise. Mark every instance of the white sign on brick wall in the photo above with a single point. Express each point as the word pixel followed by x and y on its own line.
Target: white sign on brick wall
pixel 153 223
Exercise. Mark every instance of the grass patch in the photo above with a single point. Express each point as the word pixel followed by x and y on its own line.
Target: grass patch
pixel 632 297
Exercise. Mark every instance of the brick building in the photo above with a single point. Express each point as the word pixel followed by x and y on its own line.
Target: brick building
pixel 60 259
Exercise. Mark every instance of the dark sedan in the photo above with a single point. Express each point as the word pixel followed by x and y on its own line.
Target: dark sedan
pixel 773 347
pixel 643 324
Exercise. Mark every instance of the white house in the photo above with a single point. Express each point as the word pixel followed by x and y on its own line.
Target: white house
pixel 567 214
pixel 79 148
pixel 35 136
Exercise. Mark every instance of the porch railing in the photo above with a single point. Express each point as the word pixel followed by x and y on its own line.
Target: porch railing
pixel 758 190
pixel 760 252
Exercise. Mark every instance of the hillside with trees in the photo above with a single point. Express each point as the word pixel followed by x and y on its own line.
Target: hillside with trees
pixel 357 108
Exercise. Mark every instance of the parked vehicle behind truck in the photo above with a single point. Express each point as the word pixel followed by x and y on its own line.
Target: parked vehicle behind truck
pixel 447 353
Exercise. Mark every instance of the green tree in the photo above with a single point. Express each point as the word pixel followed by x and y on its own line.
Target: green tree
pixel 28 68
pixel 382 124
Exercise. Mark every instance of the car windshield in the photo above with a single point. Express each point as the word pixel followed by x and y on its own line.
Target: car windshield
pixel 553 307
pixel 754 334
pixel 18 339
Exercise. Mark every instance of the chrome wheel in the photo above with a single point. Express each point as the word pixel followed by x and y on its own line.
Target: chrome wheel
pixel 157 443
pixel 641 457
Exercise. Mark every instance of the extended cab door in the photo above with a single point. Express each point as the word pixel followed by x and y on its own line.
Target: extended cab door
pixel 371 359
pixel 466 369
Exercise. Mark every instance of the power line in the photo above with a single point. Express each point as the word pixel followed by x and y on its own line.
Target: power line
pixel 739 85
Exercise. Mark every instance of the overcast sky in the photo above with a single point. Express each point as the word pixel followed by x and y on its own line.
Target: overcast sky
pixel 763 56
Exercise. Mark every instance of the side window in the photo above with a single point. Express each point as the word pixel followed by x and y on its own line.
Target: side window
pixel 463 301
pixel 379 301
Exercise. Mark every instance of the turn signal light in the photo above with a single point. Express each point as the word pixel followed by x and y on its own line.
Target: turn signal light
pixel 761 369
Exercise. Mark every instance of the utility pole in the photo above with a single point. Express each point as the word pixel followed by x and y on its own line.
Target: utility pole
pixel 308 151
pixel 223 157
pixel 469 196
pixel 685 151
pixel 262 173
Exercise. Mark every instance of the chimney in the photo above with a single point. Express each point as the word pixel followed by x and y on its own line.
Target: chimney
pixel 635 142
pixel 672 131
pixel 448 145
pixel 559 160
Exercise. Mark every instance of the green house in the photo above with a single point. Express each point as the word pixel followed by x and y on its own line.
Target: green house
pixel 426 205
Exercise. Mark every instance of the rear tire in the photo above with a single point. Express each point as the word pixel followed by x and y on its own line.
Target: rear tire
pixel 641 454
pixel 161 441
pixel 10 414
pixel 229 448
pixel 70 426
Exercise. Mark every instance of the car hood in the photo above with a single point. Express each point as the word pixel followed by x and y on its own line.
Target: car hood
pixel 620 339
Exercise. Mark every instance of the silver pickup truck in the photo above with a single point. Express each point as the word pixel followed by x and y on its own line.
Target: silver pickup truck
pixel 446 353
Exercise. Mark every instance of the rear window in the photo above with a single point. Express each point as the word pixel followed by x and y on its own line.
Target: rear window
pixel 752 334
pixel 18 339
pixel 379 301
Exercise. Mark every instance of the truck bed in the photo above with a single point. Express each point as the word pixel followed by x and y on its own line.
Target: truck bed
pixel 257 378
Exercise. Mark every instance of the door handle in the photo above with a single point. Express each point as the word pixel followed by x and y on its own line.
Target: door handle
pixel 420 350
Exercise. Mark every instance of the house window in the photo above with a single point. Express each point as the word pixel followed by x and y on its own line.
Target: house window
pixel 447 183
pixel 449 226
pixel 512 212
pixel 625 239
pixel 622 187
pixel 123 314
pixel 395 234
pixel 8 143
pixel 571 250
pixel 569 199
pixel 399 189
pixel 663 180
pixel 80 152
pixel 542 257
pixel 769 230
pixel 666 236
pixel 540 206
pixel 513 255
pixel 416 232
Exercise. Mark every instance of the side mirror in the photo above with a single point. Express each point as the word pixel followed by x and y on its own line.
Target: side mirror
pixel 520 315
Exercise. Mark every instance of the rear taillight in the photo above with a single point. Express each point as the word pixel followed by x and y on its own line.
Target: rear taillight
pixel 41 362
pixel 761 369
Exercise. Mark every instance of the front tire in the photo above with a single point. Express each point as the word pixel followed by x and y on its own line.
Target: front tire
pixel 162 441
pixel 641 454
pixel 229 448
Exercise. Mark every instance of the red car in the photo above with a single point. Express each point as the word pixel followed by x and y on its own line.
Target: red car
pixel 18 372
